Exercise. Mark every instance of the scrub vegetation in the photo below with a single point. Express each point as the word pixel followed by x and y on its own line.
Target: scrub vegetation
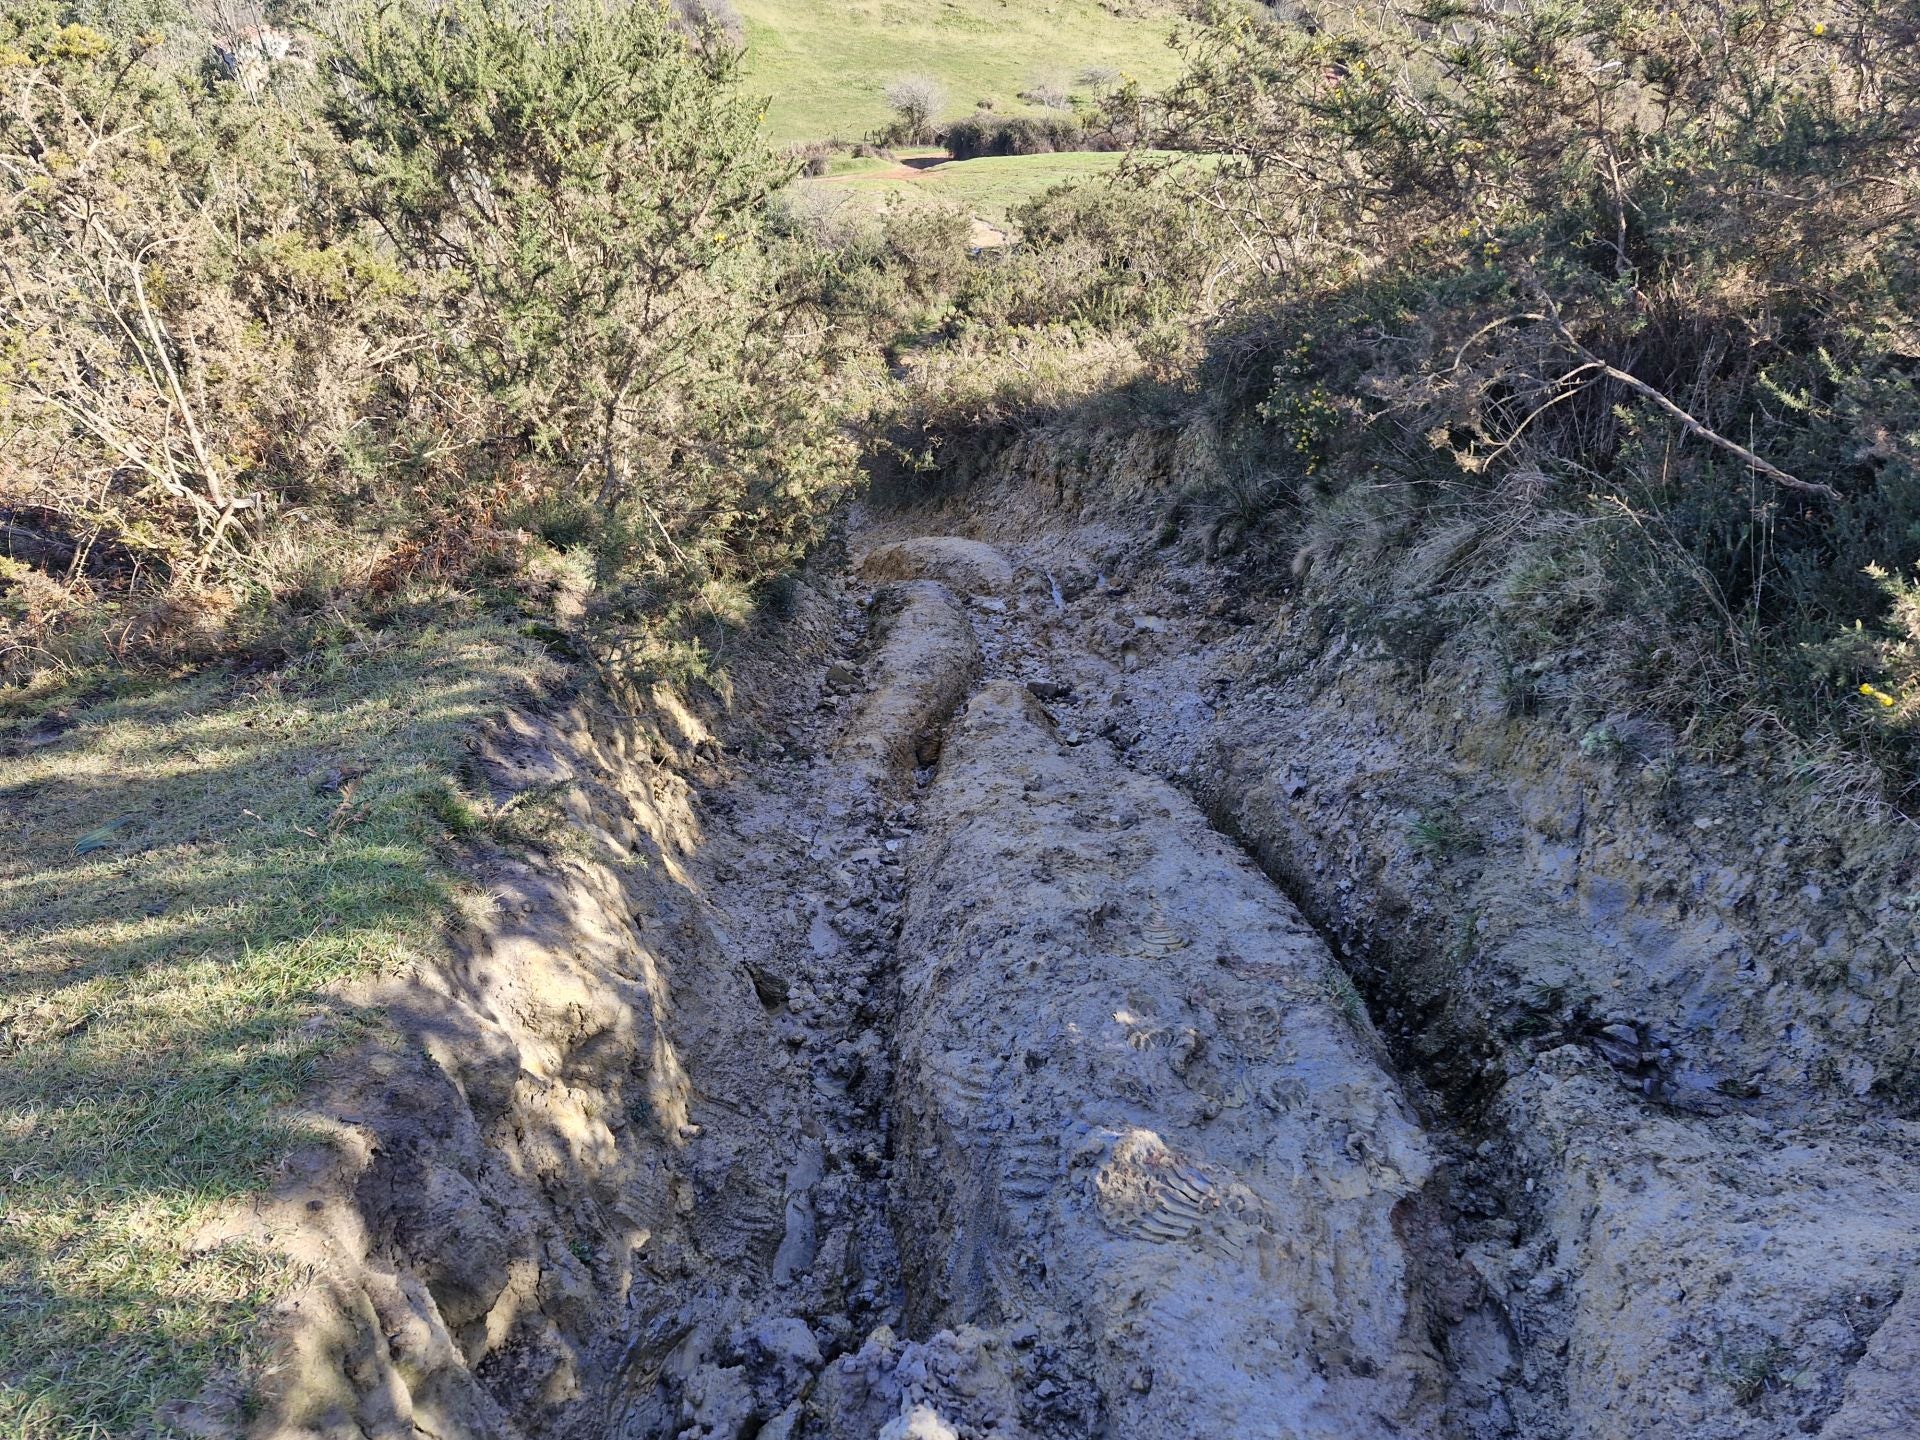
pixel 1583 328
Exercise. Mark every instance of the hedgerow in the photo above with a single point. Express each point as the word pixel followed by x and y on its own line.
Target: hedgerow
pixel 1583 325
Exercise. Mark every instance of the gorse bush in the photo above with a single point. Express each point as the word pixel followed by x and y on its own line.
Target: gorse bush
pixel 182 334
pixel 580 199
pixel 1603 313
pixel 480 263
pixel 988 134
pixel 1117 257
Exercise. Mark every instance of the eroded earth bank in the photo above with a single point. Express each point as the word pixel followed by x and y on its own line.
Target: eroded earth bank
pixel 1042 1009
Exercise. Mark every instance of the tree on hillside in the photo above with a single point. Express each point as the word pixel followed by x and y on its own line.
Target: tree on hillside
pixel 712 23
pixel 916 100
pixel 1048 94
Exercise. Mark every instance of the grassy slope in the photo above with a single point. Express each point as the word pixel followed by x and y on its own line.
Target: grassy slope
pixel 182 874
pixel 825 65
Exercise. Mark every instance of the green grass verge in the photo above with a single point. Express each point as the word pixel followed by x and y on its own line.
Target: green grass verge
pixel 825 66
pixel 183 875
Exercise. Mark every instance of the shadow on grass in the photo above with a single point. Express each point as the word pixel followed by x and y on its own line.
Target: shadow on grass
pixel 185 877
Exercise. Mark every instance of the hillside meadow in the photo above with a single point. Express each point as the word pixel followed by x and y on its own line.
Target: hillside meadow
pixel 826 67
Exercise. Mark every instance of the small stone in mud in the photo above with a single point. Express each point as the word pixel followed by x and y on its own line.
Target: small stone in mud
pixel 841 676
pixel 782 1340
pixel 1049 690
pixel 822 939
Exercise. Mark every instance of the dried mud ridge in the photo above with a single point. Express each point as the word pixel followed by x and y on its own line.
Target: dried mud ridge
pixel 949 1073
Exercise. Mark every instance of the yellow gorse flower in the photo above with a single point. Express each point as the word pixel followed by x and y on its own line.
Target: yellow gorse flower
pixel 1878 696
pixel 79 42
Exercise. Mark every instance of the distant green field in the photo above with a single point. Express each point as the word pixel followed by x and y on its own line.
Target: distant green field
pixel 825 65
pixel 989 187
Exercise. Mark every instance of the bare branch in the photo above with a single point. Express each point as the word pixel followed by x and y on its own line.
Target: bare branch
pixel 1695 427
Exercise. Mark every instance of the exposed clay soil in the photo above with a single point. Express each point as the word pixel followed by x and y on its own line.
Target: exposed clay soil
pixel 951 1045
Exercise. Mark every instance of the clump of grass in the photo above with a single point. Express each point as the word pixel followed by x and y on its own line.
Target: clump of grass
pixel 1440 834
pixel 1603 742
pixel 189 867
pixel 1344 995
pixel 443 799
pixel 1753 1373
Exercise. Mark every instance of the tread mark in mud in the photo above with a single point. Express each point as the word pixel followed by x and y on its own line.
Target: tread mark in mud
pixel 1158 939
pixel 1147 1192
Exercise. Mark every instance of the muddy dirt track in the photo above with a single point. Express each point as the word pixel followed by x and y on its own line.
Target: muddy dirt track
pixel 1063 1122
pixel 948 1045
pixel 1083 1131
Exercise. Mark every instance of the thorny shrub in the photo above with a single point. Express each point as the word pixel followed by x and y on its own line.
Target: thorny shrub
pixel 188 342
pixel 346 327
